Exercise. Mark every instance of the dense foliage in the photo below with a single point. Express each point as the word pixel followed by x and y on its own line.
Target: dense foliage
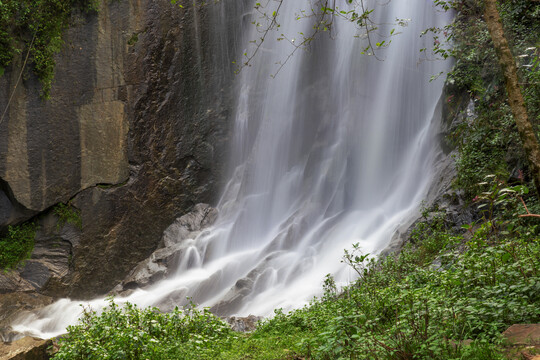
pixel 132 333
pixel 35 27
pixel 488 141
pixel 67 214
pixel 402 312
pixel 16 245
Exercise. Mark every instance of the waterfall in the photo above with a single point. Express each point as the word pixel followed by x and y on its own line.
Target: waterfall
pixel 336 149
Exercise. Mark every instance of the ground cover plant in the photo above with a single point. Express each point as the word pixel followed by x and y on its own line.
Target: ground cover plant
pixel 16 245
pixel 67 214
pixel 129 332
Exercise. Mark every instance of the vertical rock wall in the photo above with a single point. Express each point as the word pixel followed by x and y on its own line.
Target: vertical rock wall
pixel 133 134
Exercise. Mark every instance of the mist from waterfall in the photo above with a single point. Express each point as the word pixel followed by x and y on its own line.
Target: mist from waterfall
pixel 336 149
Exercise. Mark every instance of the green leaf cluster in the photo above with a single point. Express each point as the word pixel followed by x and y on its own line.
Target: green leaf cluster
pixel 67 214
pixel 16 245
pixel 36 27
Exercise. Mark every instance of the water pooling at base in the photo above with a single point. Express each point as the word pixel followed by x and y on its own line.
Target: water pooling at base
pixel 337 149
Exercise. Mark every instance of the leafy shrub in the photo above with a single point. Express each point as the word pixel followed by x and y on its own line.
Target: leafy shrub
pixel 37 25
pixel 67 214
pixel 129 332
pixel 17 245
pixel 401 311
pixel 401 307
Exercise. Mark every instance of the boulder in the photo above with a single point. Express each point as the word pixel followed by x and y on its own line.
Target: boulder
pixel 523 334
pixel 27 348
pixel 523 341
pixel 243 324
pixel 177 238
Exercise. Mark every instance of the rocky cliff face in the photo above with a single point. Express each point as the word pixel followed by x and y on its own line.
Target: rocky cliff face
pixel 133 135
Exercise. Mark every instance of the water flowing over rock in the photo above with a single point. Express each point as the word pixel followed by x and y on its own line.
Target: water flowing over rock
pixel 337 148
pixel 175 250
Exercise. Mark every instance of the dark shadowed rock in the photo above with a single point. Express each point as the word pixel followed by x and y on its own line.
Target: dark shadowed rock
pixel 166 259
pixel 12 282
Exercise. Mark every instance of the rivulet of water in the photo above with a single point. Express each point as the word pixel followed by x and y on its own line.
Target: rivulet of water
pixel 336 149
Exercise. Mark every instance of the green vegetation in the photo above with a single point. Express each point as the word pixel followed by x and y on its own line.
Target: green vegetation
pixel 489 142
pixel 67 214
pixel 133 333
pixel 133 39
pixel 16 245
pixel 35 27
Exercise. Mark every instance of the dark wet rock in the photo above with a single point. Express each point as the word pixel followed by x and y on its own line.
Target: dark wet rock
pixel 234 298
pixel 180 234
pixel 190 225
pixel 11 282
pixel 35 273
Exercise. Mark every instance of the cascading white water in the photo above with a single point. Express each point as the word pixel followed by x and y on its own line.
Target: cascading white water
pixel 336 149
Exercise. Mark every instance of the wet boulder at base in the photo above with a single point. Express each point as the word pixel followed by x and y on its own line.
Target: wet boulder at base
pixel 176 239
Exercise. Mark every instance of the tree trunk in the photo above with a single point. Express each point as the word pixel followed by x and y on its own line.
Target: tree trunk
pixel 515 98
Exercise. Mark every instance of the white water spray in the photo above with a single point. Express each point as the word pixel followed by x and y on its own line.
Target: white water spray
pixel 336 150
